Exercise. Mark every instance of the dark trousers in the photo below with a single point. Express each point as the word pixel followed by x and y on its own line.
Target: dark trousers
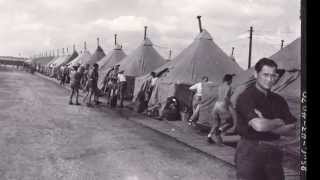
pixel 257 161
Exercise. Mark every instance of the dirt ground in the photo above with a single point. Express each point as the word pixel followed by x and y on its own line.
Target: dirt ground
pixel 44 138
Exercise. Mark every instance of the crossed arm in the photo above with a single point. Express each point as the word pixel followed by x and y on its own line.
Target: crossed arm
pixel 276 126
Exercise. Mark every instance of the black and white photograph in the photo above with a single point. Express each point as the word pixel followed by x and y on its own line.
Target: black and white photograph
pixel 153 90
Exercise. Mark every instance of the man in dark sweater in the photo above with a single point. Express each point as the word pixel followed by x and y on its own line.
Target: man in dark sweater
pixel 262 117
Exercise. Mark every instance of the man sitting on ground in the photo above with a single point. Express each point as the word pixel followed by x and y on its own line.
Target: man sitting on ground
pixel 223 113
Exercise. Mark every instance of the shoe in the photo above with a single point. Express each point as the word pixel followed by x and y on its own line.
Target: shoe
pixel 89 105
pixel 78 103
pixel 210 141
pixel 218 140
pixel 158 118
pixel 70 102
pixel 230 133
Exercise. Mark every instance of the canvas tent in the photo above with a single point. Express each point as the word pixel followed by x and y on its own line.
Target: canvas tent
pixel 203 57
pixel 41 62
pixel 57 62
pixel 63 61
pixel 112 58
pixel 50 63
pixel 96 56
pixel 74 55
pixel 82 57
pixel 142 60
pixel 289 57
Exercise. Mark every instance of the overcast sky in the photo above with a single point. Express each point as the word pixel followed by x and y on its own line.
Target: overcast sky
pixel 29 27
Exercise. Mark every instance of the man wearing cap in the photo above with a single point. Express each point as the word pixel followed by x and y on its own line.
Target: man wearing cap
pixel 262 118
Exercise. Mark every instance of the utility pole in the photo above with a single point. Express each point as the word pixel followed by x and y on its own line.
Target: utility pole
pixel 282 41
pixel 250 47
pixel 115 39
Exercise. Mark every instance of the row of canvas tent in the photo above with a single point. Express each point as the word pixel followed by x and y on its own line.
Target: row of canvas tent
pixel 203 57
pixel 141 61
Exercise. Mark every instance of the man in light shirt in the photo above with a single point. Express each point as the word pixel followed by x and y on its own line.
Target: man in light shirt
pixel 151 83
pixel 197 99
pixel 122 84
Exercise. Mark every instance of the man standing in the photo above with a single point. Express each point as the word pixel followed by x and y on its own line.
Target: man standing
pixel 85 77
pixel 62 74
pixel 93 84
pixel 122 85
pixel 262 117
pixel 75 82
pixel 197 99
pixel 150 85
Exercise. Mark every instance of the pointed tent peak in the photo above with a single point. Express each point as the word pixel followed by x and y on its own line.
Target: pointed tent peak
pixel 147 42
pixel 74 52
pixel 98 41
pixel 99 48
pixel 204 35
pixel 200 26
pixel 115 39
